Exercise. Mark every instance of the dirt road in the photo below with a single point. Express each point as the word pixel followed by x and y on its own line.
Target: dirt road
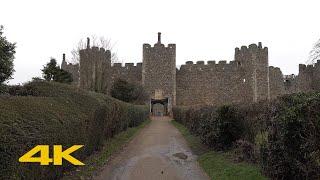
pixel 158 152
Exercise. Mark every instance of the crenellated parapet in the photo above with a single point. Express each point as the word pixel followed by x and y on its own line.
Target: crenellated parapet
pixel 129 71
pixel 252 54
pixel 310 68
pixel 127 65
pixel 147 46
pixel 309 77
pixel 210 66
pixel 169 50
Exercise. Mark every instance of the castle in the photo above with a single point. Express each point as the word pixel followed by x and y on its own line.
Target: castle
pixel 248 78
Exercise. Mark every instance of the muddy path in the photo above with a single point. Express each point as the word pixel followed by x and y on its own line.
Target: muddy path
pixel 159 151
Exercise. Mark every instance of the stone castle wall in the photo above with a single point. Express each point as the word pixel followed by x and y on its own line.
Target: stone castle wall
pixel 309 77
pixel 129 72
pixel 248 78
pixel 209 83
pixel 308 80
pixel 276 80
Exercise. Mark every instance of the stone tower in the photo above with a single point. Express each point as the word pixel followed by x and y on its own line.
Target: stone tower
pixel 95 67
pixel 255 67
pixel 159 71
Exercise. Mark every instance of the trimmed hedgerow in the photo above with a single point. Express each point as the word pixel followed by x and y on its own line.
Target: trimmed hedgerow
pixel 58 114
pixel 292 150
pixel 282 135
pixel 218 128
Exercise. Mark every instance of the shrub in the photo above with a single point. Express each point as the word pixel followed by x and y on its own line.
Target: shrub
pixel 223 129
pixel 52 72
pixel 4 89
pixel 245 151
pixel 293 147
pixel 58 114
pixel 217 128
pixel 26 90
pixel 128 92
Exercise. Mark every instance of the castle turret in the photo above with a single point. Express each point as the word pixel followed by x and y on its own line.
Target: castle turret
pixel 255 65
pixel 95 68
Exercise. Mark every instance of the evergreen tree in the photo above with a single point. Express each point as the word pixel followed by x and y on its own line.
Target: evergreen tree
pixel 52 72
pixel 128 92
pixel 122 90
pixel 7 51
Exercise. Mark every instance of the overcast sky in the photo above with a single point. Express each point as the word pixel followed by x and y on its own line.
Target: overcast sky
pixel 202 30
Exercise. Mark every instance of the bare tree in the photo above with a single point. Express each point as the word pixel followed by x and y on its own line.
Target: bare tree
pixel 314 54
pixel 100 42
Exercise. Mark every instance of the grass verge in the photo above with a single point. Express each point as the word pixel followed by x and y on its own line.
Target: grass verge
pixel 219 165
pixel 94 162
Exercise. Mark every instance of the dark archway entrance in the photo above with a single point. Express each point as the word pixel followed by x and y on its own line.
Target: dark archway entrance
pixel 159 107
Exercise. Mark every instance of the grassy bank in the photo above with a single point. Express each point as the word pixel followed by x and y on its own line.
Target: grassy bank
pixel 218 165
pixel 97 160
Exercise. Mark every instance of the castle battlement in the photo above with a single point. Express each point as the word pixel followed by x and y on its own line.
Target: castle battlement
pixel 95 50
pixel 306 68
pixel 210 66
pixel 274 68
pixel 169 46
pixel 248 78
pixel 126 65
pixel 251 47
pixel 158 45
pixel 310 68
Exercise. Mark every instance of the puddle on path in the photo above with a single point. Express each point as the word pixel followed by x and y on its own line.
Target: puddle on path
pixel 180 155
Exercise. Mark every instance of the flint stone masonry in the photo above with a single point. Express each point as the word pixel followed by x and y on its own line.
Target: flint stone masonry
pixel 159 70
pixel 248 78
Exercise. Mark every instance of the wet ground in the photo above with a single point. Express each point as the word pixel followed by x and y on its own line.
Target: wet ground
pixel 159 151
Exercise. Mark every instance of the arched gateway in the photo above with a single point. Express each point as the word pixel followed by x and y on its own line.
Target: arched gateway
pixel 159 107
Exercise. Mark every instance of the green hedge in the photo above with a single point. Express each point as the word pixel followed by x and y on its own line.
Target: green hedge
pixel 283 135
pixel 218 128
pixel 58 114
pixel 292 150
